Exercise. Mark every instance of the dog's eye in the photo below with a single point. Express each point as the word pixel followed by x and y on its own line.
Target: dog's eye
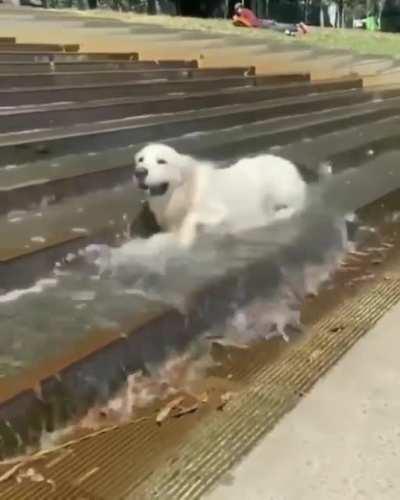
pixel 140 159
pixel 161 161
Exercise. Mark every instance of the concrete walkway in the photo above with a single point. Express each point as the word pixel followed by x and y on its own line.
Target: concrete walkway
pixel 342 442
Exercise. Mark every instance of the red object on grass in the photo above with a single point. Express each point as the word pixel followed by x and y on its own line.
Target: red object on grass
pixel 248 18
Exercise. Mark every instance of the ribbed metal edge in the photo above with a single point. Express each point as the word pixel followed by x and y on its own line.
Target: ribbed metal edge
pixel 224 438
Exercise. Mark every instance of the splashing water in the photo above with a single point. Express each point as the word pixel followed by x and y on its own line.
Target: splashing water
pixel 178 373
pixel 290 259
pixel 297 263
pixel 273 268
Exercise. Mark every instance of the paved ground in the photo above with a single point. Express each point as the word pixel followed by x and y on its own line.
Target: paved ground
pixel 342 442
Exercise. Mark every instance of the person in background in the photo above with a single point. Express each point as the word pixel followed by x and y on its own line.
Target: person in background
pixel 246 17
pixel 372 22
pixel 333 14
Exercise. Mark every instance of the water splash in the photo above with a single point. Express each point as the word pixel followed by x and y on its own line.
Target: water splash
pixel 178 374
pixel 273 268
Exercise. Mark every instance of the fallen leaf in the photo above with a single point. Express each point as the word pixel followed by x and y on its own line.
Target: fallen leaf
pixel 52 484
pixel 314 355
pixel 185 410
pixel 349 268
pixel 225 398
pixel 231 344
pixel 337 328
pixel 85 476
pixel 358 253
pixel 30 474
pixel 203 397
pixel 163 414
pixel 363 278
pixel 10 472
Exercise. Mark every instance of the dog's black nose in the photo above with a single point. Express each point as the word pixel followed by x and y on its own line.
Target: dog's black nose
pixel 141 172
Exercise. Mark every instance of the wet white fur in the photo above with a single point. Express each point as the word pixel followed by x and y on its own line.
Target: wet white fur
pixel 252 192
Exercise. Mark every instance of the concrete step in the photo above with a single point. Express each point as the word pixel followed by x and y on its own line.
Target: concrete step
pixel 7 40
pixel 26 186
pixel 93 66
pixel 391 76
pixel 46 56
pixel 38 47
pixel 19 147
pixel 30 240
pixel 54 114
pixel 88 92
pixel 8 81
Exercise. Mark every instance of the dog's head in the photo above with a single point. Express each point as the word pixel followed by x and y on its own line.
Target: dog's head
pixel 158 168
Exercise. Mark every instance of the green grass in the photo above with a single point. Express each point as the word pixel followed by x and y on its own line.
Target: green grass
pixel 359 41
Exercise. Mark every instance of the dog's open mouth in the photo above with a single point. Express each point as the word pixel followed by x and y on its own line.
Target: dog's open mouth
pixel 155 190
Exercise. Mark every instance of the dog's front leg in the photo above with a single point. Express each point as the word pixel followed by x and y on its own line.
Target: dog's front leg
pixel 214 217
pixel 188 231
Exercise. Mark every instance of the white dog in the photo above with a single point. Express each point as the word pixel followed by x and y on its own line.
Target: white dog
pixel 186 194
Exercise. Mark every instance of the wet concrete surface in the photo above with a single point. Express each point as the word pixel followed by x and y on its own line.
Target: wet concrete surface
pixel 45 228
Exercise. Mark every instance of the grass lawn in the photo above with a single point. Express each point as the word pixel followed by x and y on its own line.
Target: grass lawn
pixel 360 41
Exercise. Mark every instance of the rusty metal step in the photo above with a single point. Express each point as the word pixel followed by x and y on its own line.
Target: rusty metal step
pixel 81 93
pixel 17 148
pixel 47 235
pixel 109 77
pixel 85 66
pixel 46 56
pixel 56 115
pixel 74 180
pixel 24 187
pixel 7 40
pixel 355 146
pixel 38 47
